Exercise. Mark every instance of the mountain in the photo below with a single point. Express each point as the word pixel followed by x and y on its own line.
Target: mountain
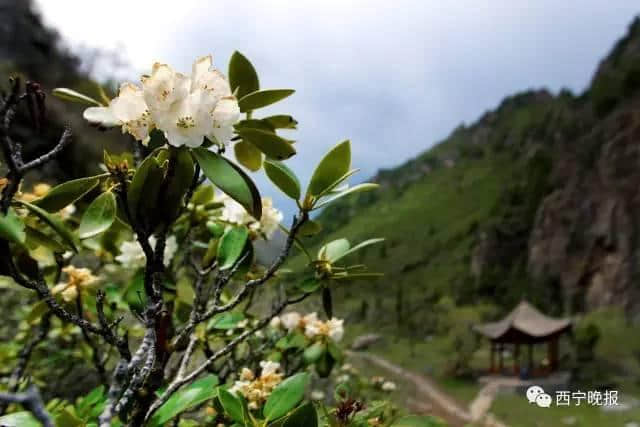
pixel 33 51
pixel 539 198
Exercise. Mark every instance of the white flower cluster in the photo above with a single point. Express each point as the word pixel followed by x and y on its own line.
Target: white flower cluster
pixel 132 256
pixel 78 279
pixel 234 212
pixel 383 384
pixel 257 390
pixel 186 108
pixel 310 325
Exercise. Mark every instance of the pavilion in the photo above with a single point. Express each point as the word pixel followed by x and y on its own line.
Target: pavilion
pixel 525 325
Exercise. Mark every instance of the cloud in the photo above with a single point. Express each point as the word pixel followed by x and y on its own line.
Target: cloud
pixel 394 77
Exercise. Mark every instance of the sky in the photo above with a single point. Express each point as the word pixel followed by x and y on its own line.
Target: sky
pixel 394 77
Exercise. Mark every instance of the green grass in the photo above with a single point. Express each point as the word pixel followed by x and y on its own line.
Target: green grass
pixel 515 410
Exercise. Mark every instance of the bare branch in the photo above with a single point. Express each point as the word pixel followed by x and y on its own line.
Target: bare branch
pixel 32 401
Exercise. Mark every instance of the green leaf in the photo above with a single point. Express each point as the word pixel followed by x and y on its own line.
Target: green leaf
pixel 203 194
pixel 285 396
pixel 179 182
pixel 69 192
pixel 310 284
pixel 293 340
pixel 281 121
pixel 255 124
pixel 231 246
pixel 230 179
pixel 334 250
pixel 232 405
pixel 310 228
pixel 55 223
pixel 331 168
pixel 283 178
pixel 144 190
pixel 356 248
pixel 305 416
pixel 243 78
pixel 12 228
pixel 225 321
pixel 262 98
pixel 269 143
pixel 248 155
pixel 99 216
pixel 188 397
pixel 37 238
pixel 334 350
pixel 73 96
pixel 419 421
pixel 314 352
pixel 19 419
pixel 355 189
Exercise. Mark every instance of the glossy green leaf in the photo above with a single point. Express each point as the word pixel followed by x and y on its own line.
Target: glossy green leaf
pixel 285 396
pixel 186 398
pixel 99 216
pixel 269 143
pixel 144 190
pixel 262 98
pixel 310 284
pixel 231 246
pixel 334 250
pixel 54 222
pixel 281 121
pixel 230 179
pixel 332 167
pixel 248 155
pixel 179 182
pixel 203 194
pixel 419 421
pixel 355 189
pixel 283 178
pixel 12 228
pixel 243 78
pixel 314 352
pixel 66 193
pixel 73 96
pixel 305 416
pixel 37 238
pixel 226 321
pixel 255 124
pixel 357 248
pixel 293 340
pixel 310 228
pixel 334 350
pixel 19 419
pixel 232 405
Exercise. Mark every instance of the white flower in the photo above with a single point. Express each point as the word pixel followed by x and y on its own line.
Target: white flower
pixel 317 395
pixel 343 378
pixel 388 386
pixel 275 322
pixel 233 212
pixel 332 328
pixel 132 256
pixel 291 320
pixel 336 328
pixel 186 108
pixel 77 280
pixel 268 367
pixel 128 110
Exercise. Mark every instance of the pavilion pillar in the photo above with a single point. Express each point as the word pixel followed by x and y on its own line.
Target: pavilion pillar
pixel 492 368
pixel 530 359
pixel 516 359
pixel 500 358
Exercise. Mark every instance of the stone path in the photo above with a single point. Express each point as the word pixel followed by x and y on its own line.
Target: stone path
pixel 439 403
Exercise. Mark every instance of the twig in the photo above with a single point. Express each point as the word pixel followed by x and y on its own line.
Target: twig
pixel 32 401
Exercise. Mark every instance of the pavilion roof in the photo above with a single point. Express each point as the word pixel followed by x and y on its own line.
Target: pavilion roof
pixel 524 320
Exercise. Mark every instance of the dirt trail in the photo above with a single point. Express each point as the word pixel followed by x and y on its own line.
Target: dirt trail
pixel 435 401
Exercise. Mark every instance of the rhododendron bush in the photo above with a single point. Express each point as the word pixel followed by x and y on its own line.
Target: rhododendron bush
pixel 148 270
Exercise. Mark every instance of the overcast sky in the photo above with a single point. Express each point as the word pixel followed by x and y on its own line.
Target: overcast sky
pixel 392 76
